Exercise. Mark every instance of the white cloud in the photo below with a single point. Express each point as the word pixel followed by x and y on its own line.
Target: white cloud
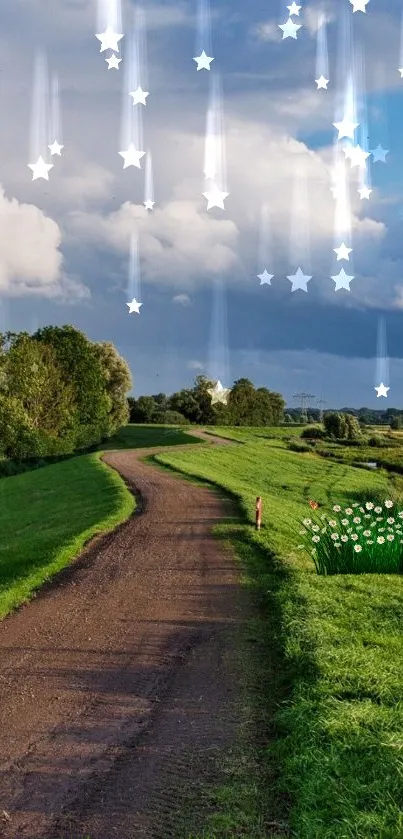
pixel 31 262
pixel 195 365
pixel 183 299
pixel 267 31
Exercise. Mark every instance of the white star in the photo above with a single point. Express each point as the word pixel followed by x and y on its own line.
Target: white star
pixel 359 5
pixel 401 72
pixel 342 280
pixel 215 198
pixel 364 192
pixel 40 169
pixel 357 156
pixel 346 128
pixel 379 154
pixel 299 280
pixel 55 148
pixel 219 393
pixel 113 62
pixel 203 61
pixel 109 40
pixel 132 157
pixel 139 96
pixel 265 277
pixel 294 9
pixel 148 204
pixel 134 306
pixel 343 252
pixel 382 390
pixel 290 29
pixel 322 82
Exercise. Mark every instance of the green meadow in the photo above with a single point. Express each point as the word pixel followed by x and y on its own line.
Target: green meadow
pixel 320 755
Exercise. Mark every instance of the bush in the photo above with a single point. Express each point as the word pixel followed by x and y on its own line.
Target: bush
pixel 301 448
pixel 170 418
pixel 378 442
pixel 316 432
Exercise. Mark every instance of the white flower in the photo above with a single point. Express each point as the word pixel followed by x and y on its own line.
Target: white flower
pixel 315 538
pixel 354 537
pixel 381 530
pixel 380 540
pixel 323 516
pixel 332 523
pixel 357 548
pixel 377 509
pixel 388 504
pixel 344 538
pixel 390 520
pixel 390 529
pixel 336 508
pixel 390 537
pixel 366 533
pixel 315 528
pixel 302 532
pixel 362 510
pixel 356 519
pixel 349 529
pixel 348 511
pixel 367 516
pixel 370 542
pixel 400 514
pixel 379 518
pixel 337 545
pixel 369 505
pixel 355 504
pixel 398 526
pixel 323 530
pixel 334 536
pixel 345 522
pixel 307 522
pixel 373 524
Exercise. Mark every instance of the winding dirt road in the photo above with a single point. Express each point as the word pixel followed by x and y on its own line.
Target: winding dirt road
pixel 117 681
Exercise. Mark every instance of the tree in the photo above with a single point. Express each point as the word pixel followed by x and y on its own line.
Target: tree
pixel 205 413
pixel 341 426
pixel 145 410
pixel 118 382
pixel 396 423
pixel 185 403
pixel 81 367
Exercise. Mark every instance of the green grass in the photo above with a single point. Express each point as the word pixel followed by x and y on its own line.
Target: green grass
pixel 330 657
pixel 64 505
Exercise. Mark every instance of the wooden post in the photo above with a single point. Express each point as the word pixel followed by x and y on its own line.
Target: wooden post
pixel 258 512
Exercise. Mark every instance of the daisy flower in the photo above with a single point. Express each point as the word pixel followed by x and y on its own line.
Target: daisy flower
pixel 357 548
pixel 356 519
pixel 388 504
pixel 348 511
pixel 390 537
pixel 369 505
pixel 390 520
pixel 345 522
pixel 344 538
pixel 354 537
pixel 377 510
pixel 337 508
pixel 366 533
pixel 380 540
pixel 317 539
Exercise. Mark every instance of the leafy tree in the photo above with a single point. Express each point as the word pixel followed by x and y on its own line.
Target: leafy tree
pixel 81 366
pixel 396 423
pixel 341 426
pixel 118 381
pixel 206 414
pixel 145 410
pixel 185 403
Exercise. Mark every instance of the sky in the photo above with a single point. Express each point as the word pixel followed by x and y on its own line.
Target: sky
pixel 65 243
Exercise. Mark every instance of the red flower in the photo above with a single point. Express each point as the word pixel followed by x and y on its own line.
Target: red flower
pixel 314 505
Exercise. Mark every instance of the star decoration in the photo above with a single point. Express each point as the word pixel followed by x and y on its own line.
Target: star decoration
pixel 131 157
pixel 113 62
pixel 203 61
pixel 357 156
pixel 322 82
pixel 290 29
pixel 364 192
pixel 265 278
pixel 148 204
pixel 139 96
pixel 342 280
pixel 382 390
pixel 299 280
pixel 359 5
pixel 219 393
pixel 215 198
pixel 109 40
pixel 293 9
pixel 55 148
pixel 40 169
pixel 346 128
pixel 343 252
pixel 134 306
pixel 379 154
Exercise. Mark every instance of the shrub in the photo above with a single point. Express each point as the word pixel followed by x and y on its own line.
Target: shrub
pixel 316 432
pixel 301 448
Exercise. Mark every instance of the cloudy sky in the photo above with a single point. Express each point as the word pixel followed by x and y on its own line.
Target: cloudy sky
pixel 65 243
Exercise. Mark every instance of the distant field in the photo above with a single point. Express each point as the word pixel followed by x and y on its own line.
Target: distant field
pixel 64 505
pixel 330 653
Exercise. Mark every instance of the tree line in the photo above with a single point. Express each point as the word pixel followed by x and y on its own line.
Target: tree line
pixel 246 405
pixel 59 392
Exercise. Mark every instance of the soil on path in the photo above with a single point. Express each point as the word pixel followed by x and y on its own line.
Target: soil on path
pixel 117 682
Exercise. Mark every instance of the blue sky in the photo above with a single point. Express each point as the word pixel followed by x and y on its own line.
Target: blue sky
pixel 64 244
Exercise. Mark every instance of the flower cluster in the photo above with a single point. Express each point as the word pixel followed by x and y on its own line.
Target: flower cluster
pixel 369 529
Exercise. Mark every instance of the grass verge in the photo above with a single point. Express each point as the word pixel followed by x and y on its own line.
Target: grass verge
pixel 329 702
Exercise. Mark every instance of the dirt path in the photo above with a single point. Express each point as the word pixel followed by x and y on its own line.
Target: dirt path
pixel 117 681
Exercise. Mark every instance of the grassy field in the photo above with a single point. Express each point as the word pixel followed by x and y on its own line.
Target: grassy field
pixel 322 684
pixel 64 505
pixel 327 661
